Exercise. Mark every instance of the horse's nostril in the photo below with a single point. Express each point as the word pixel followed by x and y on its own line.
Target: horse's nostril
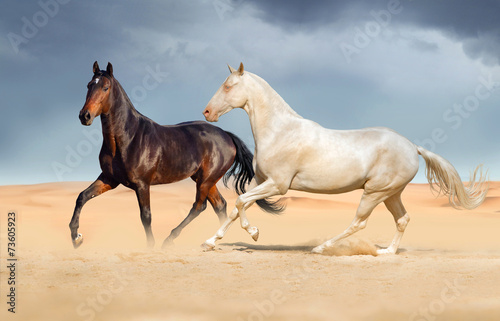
pixel 85 117
pixel 206 112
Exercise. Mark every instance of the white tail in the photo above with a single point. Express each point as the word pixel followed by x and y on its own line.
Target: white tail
pixel 440 172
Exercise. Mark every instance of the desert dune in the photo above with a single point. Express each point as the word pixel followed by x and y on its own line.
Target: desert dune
pixel 448 266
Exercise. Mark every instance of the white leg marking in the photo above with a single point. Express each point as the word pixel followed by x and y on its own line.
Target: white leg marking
pixel 365 208
pixel 401 226
pixel 401 218
pixel 264 190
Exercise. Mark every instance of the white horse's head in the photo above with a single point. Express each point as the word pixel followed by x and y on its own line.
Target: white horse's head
pixel 232 94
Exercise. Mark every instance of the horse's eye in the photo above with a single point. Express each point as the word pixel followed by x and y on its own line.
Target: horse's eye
pixel 106 89
pixel 227 87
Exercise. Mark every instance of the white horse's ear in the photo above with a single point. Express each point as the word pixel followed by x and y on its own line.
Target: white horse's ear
pixel 231 69
pixel 240 69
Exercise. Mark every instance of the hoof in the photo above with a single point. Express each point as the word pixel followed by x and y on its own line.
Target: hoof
pixel 384 251
pixel 254 232
pixel 78 241
pixel 317 250
pixel 206 246
pixel 167 243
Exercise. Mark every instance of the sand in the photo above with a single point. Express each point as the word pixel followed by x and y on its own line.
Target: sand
pixel 448 267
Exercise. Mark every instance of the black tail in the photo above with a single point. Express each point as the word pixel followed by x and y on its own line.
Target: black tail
pixel 242 170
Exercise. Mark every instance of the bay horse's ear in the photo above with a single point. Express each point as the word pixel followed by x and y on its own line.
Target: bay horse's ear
pixel 231 69
pixel 96 68
pixel 109 69
pixel 240 69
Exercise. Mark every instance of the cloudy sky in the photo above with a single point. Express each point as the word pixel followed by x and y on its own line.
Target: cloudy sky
pixel 428 69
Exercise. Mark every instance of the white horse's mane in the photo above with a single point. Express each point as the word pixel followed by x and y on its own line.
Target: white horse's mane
pixel 275 100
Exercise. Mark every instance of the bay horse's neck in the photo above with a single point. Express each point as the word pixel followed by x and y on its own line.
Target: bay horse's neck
pixel 268 112
pixel 121 122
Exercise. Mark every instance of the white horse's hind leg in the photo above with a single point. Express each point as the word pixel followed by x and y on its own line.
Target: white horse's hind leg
pixel 264 190
pixel 365 208
pixel 395 206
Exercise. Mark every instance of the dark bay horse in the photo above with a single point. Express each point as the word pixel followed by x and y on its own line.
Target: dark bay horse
pixel 138 153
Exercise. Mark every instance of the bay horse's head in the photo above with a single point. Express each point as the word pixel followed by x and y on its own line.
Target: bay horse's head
pixel 98 99
pixel 232 94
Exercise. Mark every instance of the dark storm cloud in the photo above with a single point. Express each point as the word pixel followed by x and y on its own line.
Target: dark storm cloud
pixel 77 28
pixel 474 23
pixel 307 14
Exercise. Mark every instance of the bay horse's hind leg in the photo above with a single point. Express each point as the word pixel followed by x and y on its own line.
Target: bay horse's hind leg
pixel 200 204
pixel 101 185
pixel 401 218
pixel 143 196
pixel 368 202
pixel 218 203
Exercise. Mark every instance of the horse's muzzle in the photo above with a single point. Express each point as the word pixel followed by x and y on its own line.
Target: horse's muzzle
pixel 86 118
pixel 209 115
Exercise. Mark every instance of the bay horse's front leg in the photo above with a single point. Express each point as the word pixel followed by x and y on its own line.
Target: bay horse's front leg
pixel 143 197
pixel 101 185
pixel 244 201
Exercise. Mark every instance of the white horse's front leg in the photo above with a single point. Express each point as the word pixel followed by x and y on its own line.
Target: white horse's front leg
pixel 245 224
pixel 209 244
pixel 244 201
pixel 242 207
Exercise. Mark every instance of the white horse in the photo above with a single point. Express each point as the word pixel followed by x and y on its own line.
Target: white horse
pixel 295 153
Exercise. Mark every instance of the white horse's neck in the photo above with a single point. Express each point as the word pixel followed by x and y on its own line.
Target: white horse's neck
pixel 268 112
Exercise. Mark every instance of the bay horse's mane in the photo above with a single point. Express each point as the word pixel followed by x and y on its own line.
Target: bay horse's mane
pixel 122 97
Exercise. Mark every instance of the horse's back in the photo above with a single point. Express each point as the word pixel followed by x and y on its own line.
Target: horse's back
pixel 191 123
pixel 388 157
pixel 324 160
pixel 195 127
pixel 201 141
pixel 380 146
